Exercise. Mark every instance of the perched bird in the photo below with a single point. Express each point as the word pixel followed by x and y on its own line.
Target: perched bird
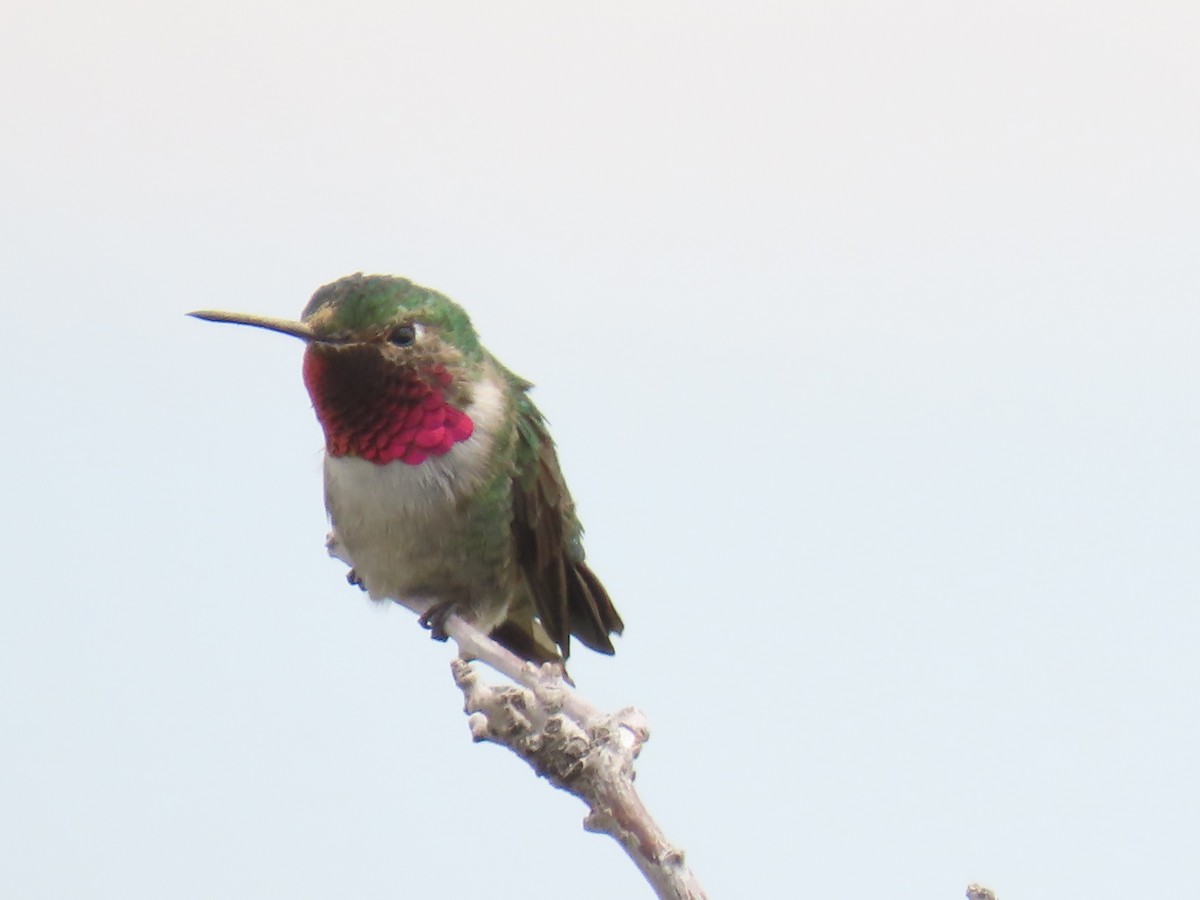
pixel 440 477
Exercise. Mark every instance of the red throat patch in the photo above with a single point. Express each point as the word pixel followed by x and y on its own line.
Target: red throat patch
pixel 382 413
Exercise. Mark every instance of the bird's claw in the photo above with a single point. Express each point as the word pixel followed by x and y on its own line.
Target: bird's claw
pixel 435 618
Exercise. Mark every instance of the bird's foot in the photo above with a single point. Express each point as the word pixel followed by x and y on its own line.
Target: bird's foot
pixel 353 578
pixel 435 618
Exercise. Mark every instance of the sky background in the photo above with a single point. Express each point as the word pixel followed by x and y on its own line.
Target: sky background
pixel 869 336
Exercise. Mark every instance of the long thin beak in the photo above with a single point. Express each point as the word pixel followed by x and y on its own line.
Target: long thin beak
pixel 283 326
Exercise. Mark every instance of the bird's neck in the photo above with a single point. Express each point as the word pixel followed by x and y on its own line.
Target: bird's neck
pixel 381 412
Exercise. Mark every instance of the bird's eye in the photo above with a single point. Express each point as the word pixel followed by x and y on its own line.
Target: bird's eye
pixel 402 335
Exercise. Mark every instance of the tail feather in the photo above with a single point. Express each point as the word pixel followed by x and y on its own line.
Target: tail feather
pixel 591 613
pixel 524 642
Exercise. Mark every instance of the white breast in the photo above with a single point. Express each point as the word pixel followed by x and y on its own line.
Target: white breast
pixel 385 518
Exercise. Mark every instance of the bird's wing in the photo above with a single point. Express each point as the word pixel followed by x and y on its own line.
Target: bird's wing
pixel 569 598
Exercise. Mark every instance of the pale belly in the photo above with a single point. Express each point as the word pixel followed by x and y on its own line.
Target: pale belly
pixel 404 529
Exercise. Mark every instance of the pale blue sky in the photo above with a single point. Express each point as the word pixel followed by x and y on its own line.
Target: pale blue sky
pixel 868 333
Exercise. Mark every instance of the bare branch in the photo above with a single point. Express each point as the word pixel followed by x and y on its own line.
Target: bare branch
pixel 571 744
pixel 592 760
pixel 566 740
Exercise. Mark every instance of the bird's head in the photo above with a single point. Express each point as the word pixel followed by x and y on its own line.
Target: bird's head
pixel 390 366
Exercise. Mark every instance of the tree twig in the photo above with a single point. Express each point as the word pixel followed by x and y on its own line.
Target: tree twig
pixel 566 740
pixel 570 743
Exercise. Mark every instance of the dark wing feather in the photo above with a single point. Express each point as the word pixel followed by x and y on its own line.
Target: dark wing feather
pixel 569 598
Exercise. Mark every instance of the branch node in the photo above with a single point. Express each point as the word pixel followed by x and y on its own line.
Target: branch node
pixel 574 746
pixel 480 731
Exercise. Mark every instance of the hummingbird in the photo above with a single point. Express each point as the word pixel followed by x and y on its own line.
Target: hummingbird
pixel 441 479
